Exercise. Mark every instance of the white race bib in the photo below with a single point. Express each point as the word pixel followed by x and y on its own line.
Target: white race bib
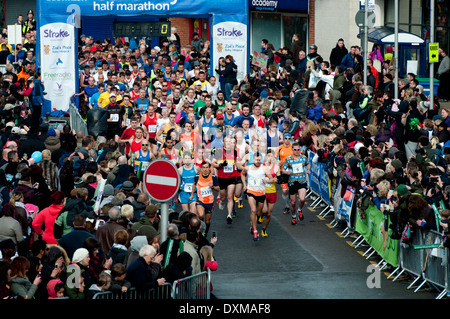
pixel 152 128
pixel 189 144
pixel 206 191
pixel 298 168
pixel 254 182
pixel 144 165
pixel 188 187
pixel 114 117
pixel 228 169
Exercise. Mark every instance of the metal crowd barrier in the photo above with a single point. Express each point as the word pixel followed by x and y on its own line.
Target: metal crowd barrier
pixel 76 121
pixel 161 292
pixel 194 287
pixel 425 260
pixel 197 286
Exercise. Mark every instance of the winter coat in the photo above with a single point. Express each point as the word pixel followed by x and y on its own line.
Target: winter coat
pixel 140 276
pixel 229 74
pixel 29 196
pixel 64 221
pixel 348 61
pixel 47 218
pixel 315 113
pixel 117 253
pixel 337 54
pixel 22 288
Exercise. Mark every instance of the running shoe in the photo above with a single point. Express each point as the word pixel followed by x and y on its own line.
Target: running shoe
pixel 233 213
pixel 240 203
pixel 300 214
pixel 264 233
pixel 255 235
pixel 229 220
pixel 221 205
pixel 260 219
pixel 294 220
pixel 286 210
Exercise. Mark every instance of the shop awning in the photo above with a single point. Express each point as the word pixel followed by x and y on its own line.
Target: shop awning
pixel 385 35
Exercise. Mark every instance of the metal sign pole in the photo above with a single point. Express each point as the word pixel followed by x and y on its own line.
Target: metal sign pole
pixel 396 50
pixel 164 220
pixel 366 51
pixel 431 64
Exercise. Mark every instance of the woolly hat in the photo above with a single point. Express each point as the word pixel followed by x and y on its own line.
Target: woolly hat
pixel 79 255
pixel 402 190
pixel 396 163
pixel 108 190
pixel 52 143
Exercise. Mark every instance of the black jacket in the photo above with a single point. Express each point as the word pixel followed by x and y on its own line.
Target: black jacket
pixel 337 54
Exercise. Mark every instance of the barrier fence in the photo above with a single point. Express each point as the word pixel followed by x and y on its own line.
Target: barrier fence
pixel 425 259
pixel 193 287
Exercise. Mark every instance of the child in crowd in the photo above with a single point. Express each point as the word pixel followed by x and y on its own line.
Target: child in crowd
pixel 55 288
pixel 118 283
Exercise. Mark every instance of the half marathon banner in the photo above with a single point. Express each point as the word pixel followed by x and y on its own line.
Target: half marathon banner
pixel 58 65
pixel 372 229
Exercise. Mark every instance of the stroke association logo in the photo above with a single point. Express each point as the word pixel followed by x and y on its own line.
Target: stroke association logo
pixel 58 34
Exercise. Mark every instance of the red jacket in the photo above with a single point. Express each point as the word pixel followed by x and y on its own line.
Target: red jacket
pixel 47 218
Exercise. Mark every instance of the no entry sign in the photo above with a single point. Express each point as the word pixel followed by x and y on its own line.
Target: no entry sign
pixel 161 180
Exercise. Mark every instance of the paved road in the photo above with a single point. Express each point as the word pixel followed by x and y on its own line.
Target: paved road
pixel 310 260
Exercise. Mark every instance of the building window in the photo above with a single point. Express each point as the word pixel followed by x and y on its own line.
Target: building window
pixel 414 17
pixel 278 28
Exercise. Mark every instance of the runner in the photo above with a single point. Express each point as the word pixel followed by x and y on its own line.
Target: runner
pixel 162 132
pixel 294 166
pixel 143 157
pixel 205 182
pixel 149 122
pixel 242 148
pixel 225 161
pixel 271 191
pixel 135 143
pixel 169 152
pixel 254 178
pixel 128 134
pixel 189 139
pixel 188 171
pixel 281 153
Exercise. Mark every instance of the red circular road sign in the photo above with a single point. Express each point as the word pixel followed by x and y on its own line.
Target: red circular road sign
pixel 161 180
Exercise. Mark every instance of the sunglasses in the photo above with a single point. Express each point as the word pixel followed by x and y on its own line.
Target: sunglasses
pixel 144 144
pixel 296 149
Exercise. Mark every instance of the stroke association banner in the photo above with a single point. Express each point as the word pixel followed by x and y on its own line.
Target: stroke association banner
pixel 58 65
pixel 230 38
